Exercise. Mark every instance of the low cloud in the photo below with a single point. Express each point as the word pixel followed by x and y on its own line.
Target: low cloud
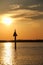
pixel 38 17
pixel 18 16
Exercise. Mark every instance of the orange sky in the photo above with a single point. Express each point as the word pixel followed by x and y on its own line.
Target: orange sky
pixel 29 30
pixel 28 22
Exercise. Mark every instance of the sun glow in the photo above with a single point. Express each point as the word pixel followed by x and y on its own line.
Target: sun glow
pixel 6 20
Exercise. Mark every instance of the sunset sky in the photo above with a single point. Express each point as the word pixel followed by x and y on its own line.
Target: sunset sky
pixel 26 16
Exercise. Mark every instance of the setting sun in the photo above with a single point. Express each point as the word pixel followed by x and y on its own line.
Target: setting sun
pixel 6 20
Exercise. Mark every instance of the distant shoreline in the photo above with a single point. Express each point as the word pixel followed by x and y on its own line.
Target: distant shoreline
pixel 21 40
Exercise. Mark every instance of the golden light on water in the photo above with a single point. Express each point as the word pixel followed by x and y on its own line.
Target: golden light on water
pixel 7 57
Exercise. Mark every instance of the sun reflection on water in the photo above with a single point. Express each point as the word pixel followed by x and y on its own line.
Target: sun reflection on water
pixel 7 57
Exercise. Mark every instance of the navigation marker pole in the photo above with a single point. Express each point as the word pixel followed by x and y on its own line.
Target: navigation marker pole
pixel 15 34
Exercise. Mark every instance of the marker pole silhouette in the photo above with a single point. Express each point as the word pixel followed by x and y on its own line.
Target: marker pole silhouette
pixel 15 34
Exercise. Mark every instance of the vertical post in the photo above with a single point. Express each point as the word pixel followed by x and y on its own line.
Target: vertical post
pixel 15 34
pixel 15 42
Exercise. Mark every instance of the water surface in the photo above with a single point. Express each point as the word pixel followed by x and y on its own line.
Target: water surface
pixel 25 54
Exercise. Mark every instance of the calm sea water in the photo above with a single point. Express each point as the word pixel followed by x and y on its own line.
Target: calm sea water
pixel 25 54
